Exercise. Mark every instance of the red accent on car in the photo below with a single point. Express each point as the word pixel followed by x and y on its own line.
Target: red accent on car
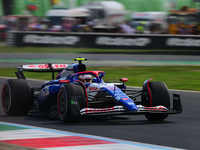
pixel 64 81
pixel 125 99
pixel 44 66
pixel 124 79
pixel 59 102
pixel 93 88
pixel 155 108
pixel 149 92
pixel 93 72
pixel 31 66
pixel 97 110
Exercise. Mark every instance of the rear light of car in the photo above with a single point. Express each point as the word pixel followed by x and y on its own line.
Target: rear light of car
pixel 64 81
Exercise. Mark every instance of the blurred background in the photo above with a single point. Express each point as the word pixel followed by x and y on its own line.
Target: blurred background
pixel 138 39
pixel 119 16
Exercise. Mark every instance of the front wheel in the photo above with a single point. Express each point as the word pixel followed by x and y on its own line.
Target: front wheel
pixel 159 95
pixel 71 98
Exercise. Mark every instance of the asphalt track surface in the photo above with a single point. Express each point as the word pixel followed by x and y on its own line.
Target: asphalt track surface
pixel 179 131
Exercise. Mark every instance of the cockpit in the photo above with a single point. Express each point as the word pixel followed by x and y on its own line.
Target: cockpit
pixel 73 68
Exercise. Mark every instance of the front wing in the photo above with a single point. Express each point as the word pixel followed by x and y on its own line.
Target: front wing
pixel 120 109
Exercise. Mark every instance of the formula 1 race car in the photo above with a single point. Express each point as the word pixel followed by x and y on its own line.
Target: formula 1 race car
pixel 76 92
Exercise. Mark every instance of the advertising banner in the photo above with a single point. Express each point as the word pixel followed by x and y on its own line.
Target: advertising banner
pixel 106 41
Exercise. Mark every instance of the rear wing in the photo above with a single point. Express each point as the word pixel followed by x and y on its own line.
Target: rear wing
pixel 40 68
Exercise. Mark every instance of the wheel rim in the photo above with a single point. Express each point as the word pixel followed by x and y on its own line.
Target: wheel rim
pixel 6 97
pixel 62 103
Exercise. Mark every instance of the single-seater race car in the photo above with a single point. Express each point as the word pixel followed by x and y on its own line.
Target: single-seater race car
pixel 76 92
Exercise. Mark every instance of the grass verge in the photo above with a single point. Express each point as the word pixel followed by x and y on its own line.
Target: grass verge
pixel 175 77
pixel 5 49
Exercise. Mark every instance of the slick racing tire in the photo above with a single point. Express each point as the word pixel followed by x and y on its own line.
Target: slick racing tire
pixel 71 99
pixel 16 97
pixel 160 96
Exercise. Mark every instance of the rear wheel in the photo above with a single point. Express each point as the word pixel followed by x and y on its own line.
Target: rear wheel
pixel 71 99
pixel 16 97
pixel 159 96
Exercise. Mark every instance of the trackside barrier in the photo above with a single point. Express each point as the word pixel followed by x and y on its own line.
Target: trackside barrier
pixel 103 40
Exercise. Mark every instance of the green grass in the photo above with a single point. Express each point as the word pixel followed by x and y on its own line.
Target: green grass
pixel 175 77
pixel 5 49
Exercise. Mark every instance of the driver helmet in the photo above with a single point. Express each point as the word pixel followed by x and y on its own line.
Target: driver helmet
pixel 85 78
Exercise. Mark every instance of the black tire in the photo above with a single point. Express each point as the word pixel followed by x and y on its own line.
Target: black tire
pixel 71 99
pixel 160 96
pixel 16 97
